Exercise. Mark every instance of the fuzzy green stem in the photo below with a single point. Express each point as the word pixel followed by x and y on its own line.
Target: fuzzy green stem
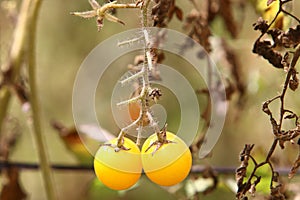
pixel 37 130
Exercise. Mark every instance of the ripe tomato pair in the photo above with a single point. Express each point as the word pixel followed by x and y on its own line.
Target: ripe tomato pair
pixel 167 165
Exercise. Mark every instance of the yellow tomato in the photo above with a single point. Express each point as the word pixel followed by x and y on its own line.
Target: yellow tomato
pixel 170 164
pixel 118 170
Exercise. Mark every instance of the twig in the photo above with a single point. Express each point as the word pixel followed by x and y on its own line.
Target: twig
pixel 286 83
pixel 38 135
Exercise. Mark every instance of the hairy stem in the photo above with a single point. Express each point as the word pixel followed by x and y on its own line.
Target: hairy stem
pixel 37 130
pixel 145 12
pixel 108 6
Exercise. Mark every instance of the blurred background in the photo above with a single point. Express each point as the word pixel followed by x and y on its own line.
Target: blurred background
pixel 63 42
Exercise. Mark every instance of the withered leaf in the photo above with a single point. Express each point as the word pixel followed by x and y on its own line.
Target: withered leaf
pixel 275 177
pixel 288 39
pixel 12 190
pixel 294 83
pixel 164 11
pixel 261 25
pixel 295 167
pixel 235 67
pixel 227 14
pixel 265 49
pixel 8 140
pixel 291 38
pixel 276 193
pixel 179 13
pixel 197 26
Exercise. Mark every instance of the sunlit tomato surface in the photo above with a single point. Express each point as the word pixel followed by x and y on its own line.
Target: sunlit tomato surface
pixel 134 110
pixel 118 170
pixel 170 164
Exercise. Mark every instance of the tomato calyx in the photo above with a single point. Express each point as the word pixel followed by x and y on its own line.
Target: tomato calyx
pixel 161 140
pixel 155 94
pixel 116 147
pixel 120 144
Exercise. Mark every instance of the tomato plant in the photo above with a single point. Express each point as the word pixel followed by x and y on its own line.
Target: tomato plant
pixel 166 163
pixel 118 168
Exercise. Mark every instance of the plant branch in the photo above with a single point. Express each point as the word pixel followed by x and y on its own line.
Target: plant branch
pixel 286 83
pixel 37 130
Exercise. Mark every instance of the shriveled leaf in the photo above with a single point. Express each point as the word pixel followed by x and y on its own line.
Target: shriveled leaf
pixel 276 193
pixel 163 12
pixel 179 13
pixel 226 12
pixel 10 133
pixel 12 188
pixel 231 58
pixel 198 28
pixel 265 49
pixel 287 39
pixel 294 81
pixel 295 167
pixel 261 25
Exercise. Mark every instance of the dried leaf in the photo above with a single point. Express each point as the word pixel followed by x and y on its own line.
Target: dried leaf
pixel 261 25
pixel 235 67
pixel 276 193
pixel 11 132
pixel 295 167
pixel 12 188
pixel 197 26
pixel 74 141
pixel 179 13
pixel 294 83
pixel 227 14
pixel 241 171
pixel 265 49
pixel 163 11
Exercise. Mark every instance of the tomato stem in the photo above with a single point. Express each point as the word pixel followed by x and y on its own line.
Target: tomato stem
pixel 121 139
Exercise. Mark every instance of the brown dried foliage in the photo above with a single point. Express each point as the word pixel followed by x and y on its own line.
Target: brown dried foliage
pixel 282 40
pixel 163 12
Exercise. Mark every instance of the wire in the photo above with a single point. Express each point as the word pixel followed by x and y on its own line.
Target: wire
pixel 195 168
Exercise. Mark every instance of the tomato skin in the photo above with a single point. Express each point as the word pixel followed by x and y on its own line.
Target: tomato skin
pixel 170 164
pixel 134 110
pixel 118 170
